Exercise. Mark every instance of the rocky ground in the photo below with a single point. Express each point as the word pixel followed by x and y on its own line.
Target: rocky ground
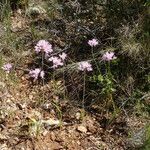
pixel 28 124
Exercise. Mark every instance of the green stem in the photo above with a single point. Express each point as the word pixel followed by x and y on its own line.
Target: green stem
pixel 95 60
pixel 42 79
pixel 109 75
pixel 59 112
pixel 83 98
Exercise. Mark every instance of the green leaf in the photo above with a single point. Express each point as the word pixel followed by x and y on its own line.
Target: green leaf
pixel 100 78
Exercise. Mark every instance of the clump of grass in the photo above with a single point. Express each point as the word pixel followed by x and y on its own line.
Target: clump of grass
pixel 128 38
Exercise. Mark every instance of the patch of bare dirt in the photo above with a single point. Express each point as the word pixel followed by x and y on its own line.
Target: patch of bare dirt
pixel 27 123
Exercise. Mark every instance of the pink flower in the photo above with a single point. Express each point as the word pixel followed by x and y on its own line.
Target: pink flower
pixel 108 56
pixel 36 73
pixel 7 67
pixel 63 56
pixel 42 74
pixel 83 66
pixel 43 45
pixel 93 42
pixel 56 61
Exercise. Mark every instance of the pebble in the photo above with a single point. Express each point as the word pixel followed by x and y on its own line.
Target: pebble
pixel 82 129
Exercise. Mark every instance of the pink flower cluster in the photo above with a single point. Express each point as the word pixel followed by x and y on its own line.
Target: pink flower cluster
pixel 108 56
pixel 58 61
pixel 84 66
pixel 43 46
pixel 7 67
pixel 93 42
pixel 36 73
pixel 63 56
pixel 46 47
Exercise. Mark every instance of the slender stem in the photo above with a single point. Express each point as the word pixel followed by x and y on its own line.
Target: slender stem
pixel 113 103
pixel 59 111
pixel 42 69
pixel 83 98
pixel 64 93
pixel 95 59
pixel 109 75
pixel 42 60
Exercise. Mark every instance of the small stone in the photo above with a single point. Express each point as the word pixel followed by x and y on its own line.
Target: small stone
pixel 92 128
pixel 52 112
pixel 30 97
pixel 78 115
pixel 21 106
pixel 78 142
pixel 19 11
pixel 45 132
pixel 82 129
pixel 4 147
pixel 53 137
pixel 46 106
pixel 3 137
pixel 51 122
pixel 60 138
pixel 23 78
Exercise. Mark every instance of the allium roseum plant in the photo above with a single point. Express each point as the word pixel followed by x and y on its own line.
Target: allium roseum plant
pixel 44 48
pixel 85 66
pixel 63 56
pixel 42 74
pixel 108 56
pixel 56 61
pixel 93 42
pixel 7 67
pixel 36 73
pixel 108 80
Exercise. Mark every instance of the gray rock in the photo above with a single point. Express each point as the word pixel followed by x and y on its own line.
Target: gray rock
pixel 37 7
pixel 138 138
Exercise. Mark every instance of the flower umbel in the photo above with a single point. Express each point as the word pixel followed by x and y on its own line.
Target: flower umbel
pixel 63 56
pixel 85 66
pixel 42 74
pixel 7 67
pixel 36 73
pixel 93 42
pixel 56 61
pixel 108 56
pixel 43 45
